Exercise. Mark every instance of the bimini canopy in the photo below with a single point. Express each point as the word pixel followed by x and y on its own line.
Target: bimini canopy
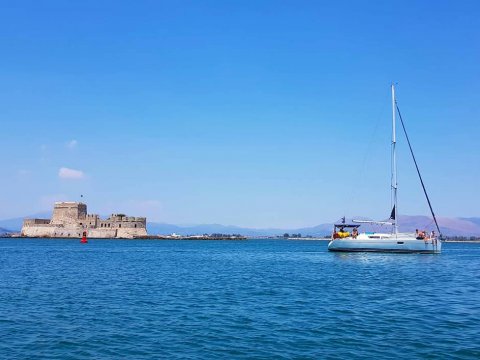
pixel 347 225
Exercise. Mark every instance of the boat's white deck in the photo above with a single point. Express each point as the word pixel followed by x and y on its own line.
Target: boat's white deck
pixel 378 242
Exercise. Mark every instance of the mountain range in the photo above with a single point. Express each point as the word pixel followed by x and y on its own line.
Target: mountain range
pixel 449 226
pixel 4 231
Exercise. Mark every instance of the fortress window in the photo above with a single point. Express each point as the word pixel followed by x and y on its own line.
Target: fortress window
pixel 119 225
pixel 108 225
pixel 135 225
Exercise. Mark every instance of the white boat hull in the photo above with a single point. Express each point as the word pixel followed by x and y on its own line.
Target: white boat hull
pixel 391 244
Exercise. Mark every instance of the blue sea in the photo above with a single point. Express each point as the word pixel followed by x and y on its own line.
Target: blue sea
pixel 255 299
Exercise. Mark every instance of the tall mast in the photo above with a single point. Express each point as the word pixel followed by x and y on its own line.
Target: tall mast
pixel 394 164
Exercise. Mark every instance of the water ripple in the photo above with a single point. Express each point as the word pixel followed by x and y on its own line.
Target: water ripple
pixel 245 300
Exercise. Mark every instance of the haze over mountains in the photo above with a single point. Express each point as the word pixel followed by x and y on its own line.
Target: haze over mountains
pixel 449 226
pixel 3 231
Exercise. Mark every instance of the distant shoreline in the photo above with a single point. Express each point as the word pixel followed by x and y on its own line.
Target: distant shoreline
pixel 463 241
pixel 152 237
pixel 201 238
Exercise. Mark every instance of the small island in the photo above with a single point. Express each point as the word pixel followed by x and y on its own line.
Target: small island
pixel 70 220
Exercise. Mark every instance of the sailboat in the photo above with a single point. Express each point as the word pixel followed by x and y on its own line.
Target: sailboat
pixel 347 238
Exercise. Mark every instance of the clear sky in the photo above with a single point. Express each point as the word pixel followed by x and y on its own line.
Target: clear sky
pixel 250 113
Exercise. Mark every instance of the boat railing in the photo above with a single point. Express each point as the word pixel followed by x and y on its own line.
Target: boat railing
pixel 373 222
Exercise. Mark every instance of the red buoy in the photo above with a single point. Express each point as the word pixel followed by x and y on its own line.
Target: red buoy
pixel 84 238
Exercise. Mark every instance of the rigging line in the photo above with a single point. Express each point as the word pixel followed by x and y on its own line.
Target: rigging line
pixel 418 170
pixel 428 225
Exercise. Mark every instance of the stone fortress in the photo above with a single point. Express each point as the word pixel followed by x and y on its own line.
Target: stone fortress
pixel 70 219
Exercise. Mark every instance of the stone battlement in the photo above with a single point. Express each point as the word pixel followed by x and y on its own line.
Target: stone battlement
pixel 32 222
pixel 70 219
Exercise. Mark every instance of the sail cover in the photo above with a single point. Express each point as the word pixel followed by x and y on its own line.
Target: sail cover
pixel 392 215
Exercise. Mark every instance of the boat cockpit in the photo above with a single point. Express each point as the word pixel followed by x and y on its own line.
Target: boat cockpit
pixel 341 231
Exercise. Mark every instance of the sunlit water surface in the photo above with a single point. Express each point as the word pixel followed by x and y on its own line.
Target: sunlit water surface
pixel 256 299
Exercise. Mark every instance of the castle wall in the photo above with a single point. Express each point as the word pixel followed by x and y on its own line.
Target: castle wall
pixel 67 232
pixel 130 233
pixel 44 230
pixel 31 222
pixel 102 233
pixel 76 232
pixel 91 221
pixel 121 224
pixel 70 219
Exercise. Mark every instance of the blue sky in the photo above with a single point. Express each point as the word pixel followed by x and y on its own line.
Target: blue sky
pixel 251 113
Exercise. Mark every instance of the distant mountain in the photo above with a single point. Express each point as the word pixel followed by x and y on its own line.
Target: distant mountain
pixel 4 231
pixel 161 228
pixel 449 226
pixel 472 219
pixel 15 224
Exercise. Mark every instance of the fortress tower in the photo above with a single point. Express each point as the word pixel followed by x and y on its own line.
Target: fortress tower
pixel 68 213
pixel 70 219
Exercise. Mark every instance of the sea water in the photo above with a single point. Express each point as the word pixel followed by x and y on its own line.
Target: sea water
pixel 255 299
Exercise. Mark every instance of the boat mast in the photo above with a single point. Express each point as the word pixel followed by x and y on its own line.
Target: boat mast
pixel 394 164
